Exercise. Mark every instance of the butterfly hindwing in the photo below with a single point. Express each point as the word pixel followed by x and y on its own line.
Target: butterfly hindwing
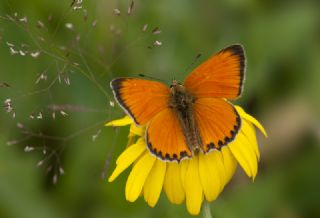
pixel 221 76
pixel 165 138
pixel 218 122
pixel 141 99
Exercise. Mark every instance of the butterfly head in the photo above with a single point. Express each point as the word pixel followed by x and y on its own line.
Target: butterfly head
pixel 175 83
pixel 176 87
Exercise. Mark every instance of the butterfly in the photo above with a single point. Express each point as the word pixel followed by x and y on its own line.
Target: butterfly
pixel 185 119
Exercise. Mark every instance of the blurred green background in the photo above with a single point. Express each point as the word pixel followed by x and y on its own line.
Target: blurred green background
pixel 63 175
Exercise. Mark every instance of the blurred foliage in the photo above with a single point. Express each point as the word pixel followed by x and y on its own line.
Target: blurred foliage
pixel 282 41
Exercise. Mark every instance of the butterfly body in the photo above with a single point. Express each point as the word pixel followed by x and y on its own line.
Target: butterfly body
pixel 182 102
pixel 184 119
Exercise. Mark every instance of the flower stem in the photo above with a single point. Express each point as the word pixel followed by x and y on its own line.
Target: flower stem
pixel 206 210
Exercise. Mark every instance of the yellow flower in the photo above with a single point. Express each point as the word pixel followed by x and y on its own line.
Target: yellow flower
pixel 194 180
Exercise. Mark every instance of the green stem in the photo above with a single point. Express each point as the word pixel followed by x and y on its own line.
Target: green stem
pixel 206 210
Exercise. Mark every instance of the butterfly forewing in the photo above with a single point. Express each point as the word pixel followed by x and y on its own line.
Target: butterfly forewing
pixel 221 76
pixel 141 99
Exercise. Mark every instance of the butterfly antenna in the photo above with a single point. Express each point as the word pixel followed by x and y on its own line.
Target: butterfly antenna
pixel 196 58
pixel 150 77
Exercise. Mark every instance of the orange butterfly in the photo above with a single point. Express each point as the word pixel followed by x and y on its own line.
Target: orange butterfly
pixel 194 117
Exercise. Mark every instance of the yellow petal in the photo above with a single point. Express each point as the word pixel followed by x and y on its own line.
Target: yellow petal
pixel 120 122
pixel 251 119
pixel 229 162
pixel 138 176
pixel 218 160
pixel 244 155
pixel 249 153
pixel 193 188
pixel 131 139
pixel 173 184
pixel 249 131
pixel 183 170
pixel 153 185
pixel 136 130
pixel 127 157
pixel 210 178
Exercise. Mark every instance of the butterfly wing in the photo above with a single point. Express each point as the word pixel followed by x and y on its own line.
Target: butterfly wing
pixel 147 103
pixel 221 76
pixel 165 138
pixel 141 99
pixel 218 122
